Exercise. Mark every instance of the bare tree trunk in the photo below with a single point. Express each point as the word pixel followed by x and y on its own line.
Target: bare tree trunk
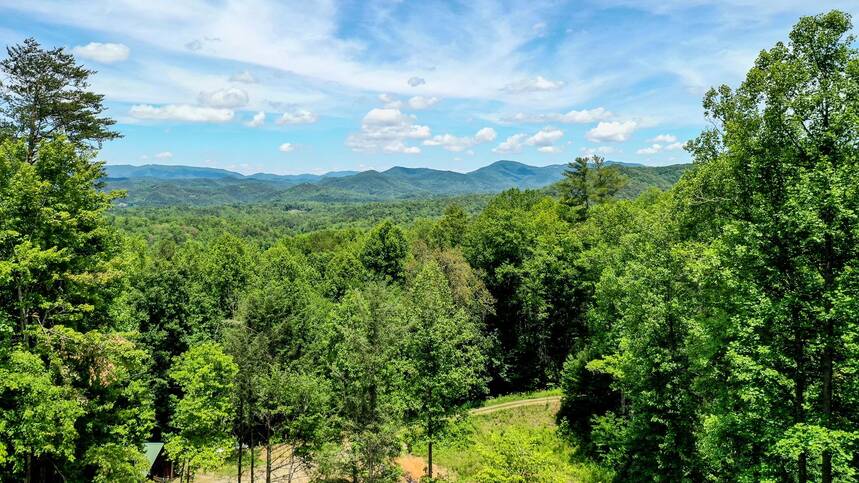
pixel 253 456
pixel 429 462
pixel 268 462
pixel 828 349
pixel 826 473
pixel 241 435
pixel 239 471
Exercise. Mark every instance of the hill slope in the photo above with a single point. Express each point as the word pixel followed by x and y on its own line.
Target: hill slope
pixel 154 185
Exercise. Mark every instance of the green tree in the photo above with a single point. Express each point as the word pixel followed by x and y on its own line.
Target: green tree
pixel 45 94
pixel 205 375
pixel 445 359
pixel 293 407
pixel 385 250
pixel 367 380
pixel 587 182
pixel 774 185
pixel 37 418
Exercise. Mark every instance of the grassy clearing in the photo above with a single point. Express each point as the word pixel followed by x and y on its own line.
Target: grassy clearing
pixel 460 453
pixel 521 396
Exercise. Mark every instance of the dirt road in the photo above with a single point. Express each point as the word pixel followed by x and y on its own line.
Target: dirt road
pixel 515 404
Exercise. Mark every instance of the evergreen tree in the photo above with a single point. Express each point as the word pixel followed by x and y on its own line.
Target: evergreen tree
pixel 45 94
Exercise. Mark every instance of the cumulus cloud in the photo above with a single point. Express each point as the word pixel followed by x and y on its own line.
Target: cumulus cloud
pixel 485 135
pixel 286 147
pixel 652 149
pixel 614 131
pixel 416 81
pixel 537 84
pixel 245 77
pixel 457 144
pixel 180 112
pixel 257 121
pixel 543 140
pixel 301 116
pixel 421 102
pixel 387 130
pixel 390 101
pixel 512 144
pixel 545 137
pixel 657 147
pixel 572 117
pixel 664 138
pixel 164 155
pixel 229 98
pixel 104 53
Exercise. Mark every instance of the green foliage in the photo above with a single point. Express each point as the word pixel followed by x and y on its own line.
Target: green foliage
pixel 367 377
pixel 38 417
pixel 587 182
pixel 444 356
pixel 202 416
pixel 44 94
pixel 516 456
pixel 385 250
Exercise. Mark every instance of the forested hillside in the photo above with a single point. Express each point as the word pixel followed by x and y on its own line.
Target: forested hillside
pixel 700 322
pixel 149 186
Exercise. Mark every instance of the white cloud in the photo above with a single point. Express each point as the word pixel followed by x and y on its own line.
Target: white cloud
pixel 485 135
pixel 385 117
pixel 614 131
pixel 652 149
pixel 257 121
pixel 421 102
pixel 543 140
pixel 457 144
pixel 301 116
pixel 390 101
pixel 286 147
pixel 545 137
pixel 664 138
pixel 245 77
pixel 537 84
pixel 229 98
pixel 512 144
pixel 386 130
pixel 572 117
pixel 656 147
pixel 603 150
pixel 450 142
pixel 104 53
pixel 539 28
pixel 164 155
pixel 180 112
pixel 416 81
pixel 585 116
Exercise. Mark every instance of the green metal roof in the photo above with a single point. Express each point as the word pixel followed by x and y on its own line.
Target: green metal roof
pixel 152 451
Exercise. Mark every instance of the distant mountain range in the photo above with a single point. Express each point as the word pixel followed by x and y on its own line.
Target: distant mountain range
pixel 163 185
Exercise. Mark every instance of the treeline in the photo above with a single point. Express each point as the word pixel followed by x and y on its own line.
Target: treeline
pixel 723 314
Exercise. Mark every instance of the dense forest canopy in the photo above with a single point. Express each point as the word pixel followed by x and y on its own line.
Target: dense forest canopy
pixel 705 332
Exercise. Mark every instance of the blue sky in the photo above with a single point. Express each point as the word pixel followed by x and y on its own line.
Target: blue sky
pixel 289 87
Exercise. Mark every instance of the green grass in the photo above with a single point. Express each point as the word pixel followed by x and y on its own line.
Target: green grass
pixel 459 453
pixel 520 397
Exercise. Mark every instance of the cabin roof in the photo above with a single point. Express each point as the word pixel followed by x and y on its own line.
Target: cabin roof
pixel 152 451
